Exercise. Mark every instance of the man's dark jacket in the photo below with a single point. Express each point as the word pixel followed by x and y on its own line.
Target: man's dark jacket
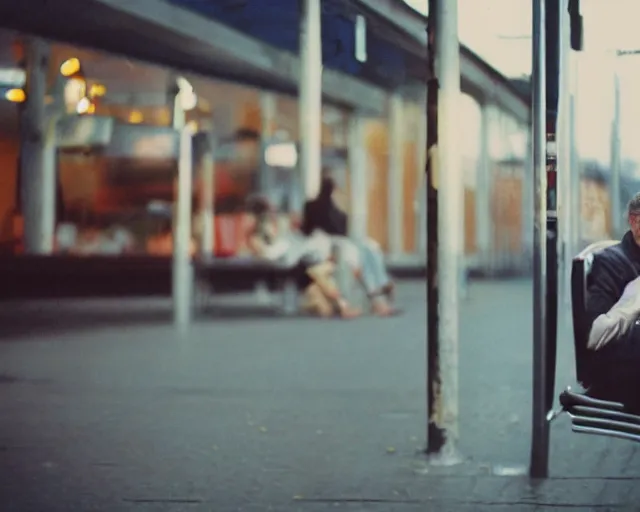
pixel 613 369
pixel 611 272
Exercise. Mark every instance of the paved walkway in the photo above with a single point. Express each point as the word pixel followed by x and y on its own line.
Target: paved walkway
pixel 261 413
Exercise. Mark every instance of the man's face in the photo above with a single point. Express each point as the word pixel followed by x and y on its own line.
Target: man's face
pixel 634 224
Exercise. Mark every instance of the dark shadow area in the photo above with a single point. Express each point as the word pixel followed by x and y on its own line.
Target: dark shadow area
pixel 20 322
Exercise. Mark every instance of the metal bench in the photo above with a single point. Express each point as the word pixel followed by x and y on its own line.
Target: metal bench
pixel 590 414
pixel 222 275
pixel 59 276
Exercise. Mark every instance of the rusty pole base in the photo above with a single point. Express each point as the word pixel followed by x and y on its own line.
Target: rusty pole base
pixel 447 457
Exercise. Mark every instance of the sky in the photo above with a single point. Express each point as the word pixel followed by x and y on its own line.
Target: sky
pixel 500 32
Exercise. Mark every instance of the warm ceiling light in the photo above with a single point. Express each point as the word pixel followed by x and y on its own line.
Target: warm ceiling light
pixel 135 117
pixel 70 67
pixel 97 90
pixel 91 109
pixel 83 106
pixel 15 95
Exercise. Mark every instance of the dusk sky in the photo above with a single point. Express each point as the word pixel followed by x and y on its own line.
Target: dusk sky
pixel 500 32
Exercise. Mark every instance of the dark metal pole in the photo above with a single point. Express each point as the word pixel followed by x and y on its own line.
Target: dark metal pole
pixel 435 434
pixel 539 460
pixel 553 92
pixel 547 17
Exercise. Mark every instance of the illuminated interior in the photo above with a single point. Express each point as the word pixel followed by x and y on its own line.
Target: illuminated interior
pixel 100 187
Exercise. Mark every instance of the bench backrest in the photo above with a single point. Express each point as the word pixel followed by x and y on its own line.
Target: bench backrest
pixel 580 271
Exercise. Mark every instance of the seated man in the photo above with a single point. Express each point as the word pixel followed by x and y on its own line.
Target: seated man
pixel 612 309
pixel 322 214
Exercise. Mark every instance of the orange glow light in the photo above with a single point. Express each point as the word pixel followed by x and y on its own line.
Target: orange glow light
pixel 135 117
pixel 15 95
pixel 70 67
pixel 97 90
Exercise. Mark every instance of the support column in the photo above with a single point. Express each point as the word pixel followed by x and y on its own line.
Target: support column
pixel 182 267
pixel 421 193
pixel 445 224
pixel 539 460
pixel 617 229
pixel 575 181
pixel 268 127
pixel 310 97
pixel 268 114
pixel 268 110
pixel 395 176
pixel 359 186
pixel 38 155
pixel 483 194
pixel 207 199
pixel 528 195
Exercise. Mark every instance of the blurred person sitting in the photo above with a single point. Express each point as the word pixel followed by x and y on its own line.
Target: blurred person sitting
pixel 322 296
pixel 322 214
pixel 613 310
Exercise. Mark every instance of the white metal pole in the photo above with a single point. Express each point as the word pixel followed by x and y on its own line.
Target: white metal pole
pixel 420 202
pixel 208 194
pixel 575 183
pixel 38 158
pixel 483 192
pixel 182 270
pixel 576 166
pixel 395 176
pixel 450 220
pixel 616 208
pixel 268 114
pixel 358 179
pixel 310 100
pixel 49 182
pixel 564 157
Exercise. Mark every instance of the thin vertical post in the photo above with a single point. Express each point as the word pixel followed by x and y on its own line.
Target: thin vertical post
pixel 208 196
pixel 539 462
pixel 182 268
pixel 616 208
pixel 395 177
pixel 435 436
pixel 268 125
pixel 576 178
pixel 358 182
pixel 564 159
pixel 420 199
pixel 444 227
pixel 38 155
pixel 310 100
pixel 483 192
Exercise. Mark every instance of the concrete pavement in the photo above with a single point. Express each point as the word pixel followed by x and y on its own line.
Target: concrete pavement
pixel 118 413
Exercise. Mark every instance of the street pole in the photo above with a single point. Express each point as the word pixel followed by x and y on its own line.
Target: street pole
pixel 207 198
pixel 310 104
pixel 358 170
pixel 182 268
pixel 566 254
pixel 444 223
pixel 38 155
pixel 539 462
pixel 616 210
